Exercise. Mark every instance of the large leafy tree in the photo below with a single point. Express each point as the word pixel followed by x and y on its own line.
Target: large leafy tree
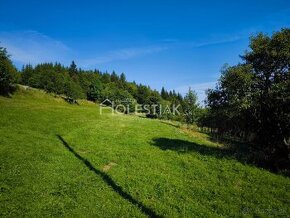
pixel 270 58
pixel 7 73
pixel 152 105
pixel 232 98
pixel 143 93
pixel 253 99
pixel 94 92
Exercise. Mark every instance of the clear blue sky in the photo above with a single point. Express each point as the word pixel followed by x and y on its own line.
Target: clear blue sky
pixel 175 44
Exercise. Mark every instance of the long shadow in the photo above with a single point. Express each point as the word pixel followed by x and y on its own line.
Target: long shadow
pixel 182 146
pixel 234 149
pixel 238 151
pixel 108 180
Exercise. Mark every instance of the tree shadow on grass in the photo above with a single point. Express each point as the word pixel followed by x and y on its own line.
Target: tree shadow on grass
pixel 109 181
pixel 233 150
pixel 182 146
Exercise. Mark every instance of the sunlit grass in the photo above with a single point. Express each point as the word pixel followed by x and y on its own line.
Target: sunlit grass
pixel 170 170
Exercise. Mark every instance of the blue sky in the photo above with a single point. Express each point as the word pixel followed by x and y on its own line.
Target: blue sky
pixel 175 44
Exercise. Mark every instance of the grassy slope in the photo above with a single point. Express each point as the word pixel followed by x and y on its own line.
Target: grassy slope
pixel 40 177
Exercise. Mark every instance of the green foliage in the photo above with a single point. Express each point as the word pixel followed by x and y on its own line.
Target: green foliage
pixel 95 91
pixel 114 77
pixel 8 73
pixel 132 89
pixel 166 110
pixel 190 107
pixel 270 58
pixel 232 98
pixel 164 94
pixel 73 90
pixel 27 75
pixel 124 101
pixel 72 69
pixel 96 86
pixel 252 99
pixel 52 78
pixel 92 85
pixel 123 78
pixel 153 103
pixel 143 93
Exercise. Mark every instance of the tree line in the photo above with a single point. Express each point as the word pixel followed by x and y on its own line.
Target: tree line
pixel 97 86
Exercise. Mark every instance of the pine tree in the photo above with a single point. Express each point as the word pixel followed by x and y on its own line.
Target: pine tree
pixel 123 78
pixel 163 93
pixel 72 69
pixel 114 77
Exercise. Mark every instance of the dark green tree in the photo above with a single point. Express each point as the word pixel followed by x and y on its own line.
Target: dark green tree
pixel 270 59
pixel 72 69
pixel 95 91
pixel 143 92
pixel 152 105
pixel 27 74
pixel 114 77
pixel 252 100
pixel 164 94
pixel 7 73
pixel 123 78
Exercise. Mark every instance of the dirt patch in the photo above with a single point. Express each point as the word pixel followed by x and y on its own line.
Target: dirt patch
pixel 107 167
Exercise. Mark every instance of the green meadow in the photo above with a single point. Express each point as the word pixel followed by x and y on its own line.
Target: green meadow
pixel 58 159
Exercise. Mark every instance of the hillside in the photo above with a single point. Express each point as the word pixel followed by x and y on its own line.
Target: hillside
pixel 58 159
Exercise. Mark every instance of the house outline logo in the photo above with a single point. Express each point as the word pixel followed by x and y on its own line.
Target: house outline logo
pixel 111 103
pixel 107 104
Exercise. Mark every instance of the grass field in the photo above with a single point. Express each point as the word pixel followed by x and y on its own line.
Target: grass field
pixel 58 159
